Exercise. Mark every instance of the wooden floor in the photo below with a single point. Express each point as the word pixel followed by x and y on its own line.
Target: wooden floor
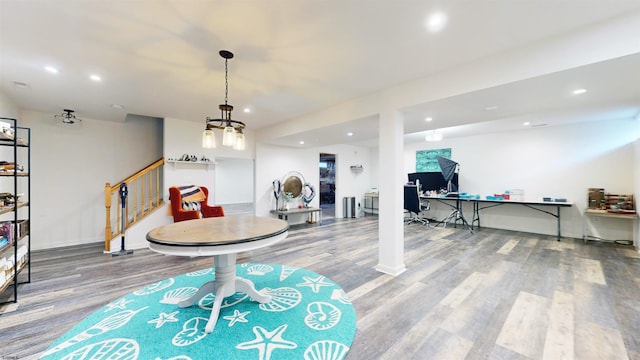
pixel 492 294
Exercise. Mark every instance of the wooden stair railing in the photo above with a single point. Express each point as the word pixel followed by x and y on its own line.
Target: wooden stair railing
pixel 144 196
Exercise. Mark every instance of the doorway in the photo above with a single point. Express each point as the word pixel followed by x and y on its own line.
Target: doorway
pixel 327 167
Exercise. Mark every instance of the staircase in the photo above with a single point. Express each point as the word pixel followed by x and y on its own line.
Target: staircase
pixel 145 195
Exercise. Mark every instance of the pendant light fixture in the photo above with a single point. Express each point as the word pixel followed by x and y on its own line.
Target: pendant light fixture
pixel 232 134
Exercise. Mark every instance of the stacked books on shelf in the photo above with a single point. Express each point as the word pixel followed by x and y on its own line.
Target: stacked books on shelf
pixel 7 229
pixel 8 263
pixel 5 234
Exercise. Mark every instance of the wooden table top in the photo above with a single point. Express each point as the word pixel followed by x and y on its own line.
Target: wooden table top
pixel 522 202
pixel 216 231
pixel 613 214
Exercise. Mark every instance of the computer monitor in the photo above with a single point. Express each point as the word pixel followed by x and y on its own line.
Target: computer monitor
pixel 432 181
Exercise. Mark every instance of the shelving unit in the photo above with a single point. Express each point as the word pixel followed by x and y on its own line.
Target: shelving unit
pixel 15 210
pixel 183 162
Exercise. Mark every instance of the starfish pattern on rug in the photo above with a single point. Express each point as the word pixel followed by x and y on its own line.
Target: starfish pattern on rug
pixel 267 341
pixel 314 283
pixel 237 317
pixel 164 318
pixel 121 304
pixel 162 330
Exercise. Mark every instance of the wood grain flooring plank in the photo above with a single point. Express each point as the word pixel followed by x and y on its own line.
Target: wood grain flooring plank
pixel 365 288
pixel 559 341
pixel 596 342
pixel 589 270
pixel 421 271
pixel 408 346
pixel 525 328
pixel 506 248
pixel 472 317
pixel 462 291
pixel 628 251
pixel 441 345
pixel 397 312
pixel 593 303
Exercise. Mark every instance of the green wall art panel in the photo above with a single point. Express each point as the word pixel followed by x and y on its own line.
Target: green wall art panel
pixel 426 159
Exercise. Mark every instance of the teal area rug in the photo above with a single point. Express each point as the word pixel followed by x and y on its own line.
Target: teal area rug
pixel 309 317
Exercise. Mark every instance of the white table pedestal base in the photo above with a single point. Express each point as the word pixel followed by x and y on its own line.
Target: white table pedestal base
pixel 225 284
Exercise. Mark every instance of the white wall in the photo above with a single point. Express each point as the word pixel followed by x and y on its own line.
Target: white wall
pixel 556 161
pixel 234 179
pixel 185 137
pixel 8 108
pixel 273 162
pixel 69 169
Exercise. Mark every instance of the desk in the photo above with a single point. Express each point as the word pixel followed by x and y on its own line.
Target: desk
pixel 607 214
pixel 222 238
pixel 284 214
pixel 493 203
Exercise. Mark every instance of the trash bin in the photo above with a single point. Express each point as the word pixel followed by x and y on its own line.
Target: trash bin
pixel 349 206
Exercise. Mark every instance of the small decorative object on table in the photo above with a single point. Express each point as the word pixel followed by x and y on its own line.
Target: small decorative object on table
pixel 286 199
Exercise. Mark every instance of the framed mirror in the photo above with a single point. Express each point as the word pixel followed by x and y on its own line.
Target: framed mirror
pixel 293 182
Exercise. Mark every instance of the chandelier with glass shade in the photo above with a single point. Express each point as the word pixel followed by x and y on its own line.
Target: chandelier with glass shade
pixel 232 134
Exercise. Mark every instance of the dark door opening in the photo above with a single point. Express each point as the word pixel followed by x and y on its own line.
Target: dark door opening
pixel 327 177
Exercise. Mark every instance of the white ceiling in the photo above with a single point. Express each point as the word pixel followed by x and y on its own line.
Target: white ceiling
pixel 160 59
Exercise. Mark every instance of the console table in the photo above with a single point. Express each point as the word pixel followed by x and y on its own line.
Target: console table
pixel 608 214
pixel 315 214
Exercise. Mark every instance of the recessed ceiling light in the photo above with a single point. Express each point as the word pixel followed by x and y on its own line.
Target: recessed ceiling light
pixel 301 142
pixel 51 69
pixel 436 21
pixel 95 77
pixel 349 134
pixel 526 123
pixel 117 106
pixel 579 91
pixel 247 110
pixel 492 107
pixel 428 119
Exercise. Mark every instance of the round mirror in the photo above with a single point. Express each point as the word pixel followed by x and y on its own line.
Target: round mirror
pixel 292 183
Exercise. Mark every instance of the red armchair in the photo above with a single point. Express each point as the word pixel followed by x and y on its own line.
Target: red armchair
pixel 180 214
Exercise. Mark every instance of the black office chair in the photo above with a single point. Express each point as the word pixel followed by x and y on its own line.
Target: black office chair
pixel 413 205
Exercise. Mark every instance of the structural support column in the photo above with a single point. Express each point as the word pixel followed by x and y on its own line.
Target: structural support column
pixel 390 181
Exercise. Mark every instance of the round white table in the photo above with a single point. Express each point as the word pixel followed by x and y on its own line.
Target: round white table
pixel 222 238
